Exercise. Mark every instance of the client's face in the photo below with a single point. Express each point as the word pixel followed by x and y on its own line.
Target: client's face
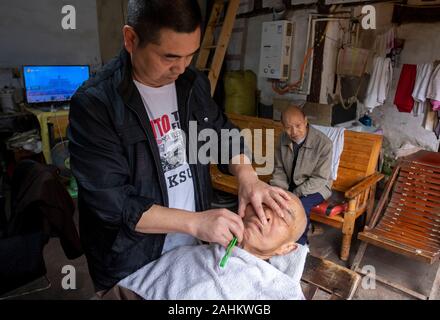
pixel 278 236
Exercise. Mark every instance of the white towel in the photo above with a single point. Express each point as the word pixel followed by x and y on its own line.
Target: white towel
pixel 193 272
pixel 379 84
pixel 420 91
pixel 434 85
pixel 336 135
pixel 292 263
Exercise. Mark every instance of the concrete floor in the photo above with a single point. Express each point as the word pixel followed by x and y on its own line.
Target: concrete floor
pixel 399 269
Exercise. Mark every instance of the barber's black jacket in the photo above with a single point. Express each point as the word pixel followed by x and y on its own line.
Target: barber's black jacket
pixel 115 159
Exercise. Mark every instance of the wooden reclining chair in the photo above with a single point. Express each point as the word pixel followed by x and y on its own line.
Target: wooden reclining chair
pixel 407 217
pixel 355 185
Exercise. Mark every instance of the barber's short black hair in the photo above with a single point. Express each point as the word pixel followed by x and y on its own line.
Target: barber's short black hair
pixel 148 17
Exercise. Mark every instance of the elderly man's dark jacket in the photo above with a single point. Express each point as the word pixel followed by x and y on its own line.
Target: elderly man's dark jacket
pixel 115 159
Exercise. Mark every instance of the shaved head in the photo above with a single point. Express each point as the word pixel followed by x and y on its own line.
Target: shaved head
pixel 279 235
pixel 294 111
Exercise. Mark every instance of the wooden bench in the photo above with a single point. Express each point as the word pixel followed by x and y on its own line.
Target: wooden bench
pixel 357 174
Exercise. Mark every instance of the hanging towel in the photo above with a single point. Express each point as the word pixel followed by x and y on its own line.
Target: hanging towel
pixel 403 99
pixel 420 91
pixel 336 135
pixel 434 85
pixel 418 108
pixel 379 84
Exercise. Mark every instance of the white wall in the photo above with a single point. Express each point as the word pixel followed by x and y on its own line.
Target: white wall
pixel 31 33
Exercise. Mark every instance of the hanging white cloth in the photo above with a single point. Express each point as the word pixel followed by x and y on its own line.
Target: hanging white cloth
pixel 336 135
pixel 434 85
pixel 380 82
pixel 420 91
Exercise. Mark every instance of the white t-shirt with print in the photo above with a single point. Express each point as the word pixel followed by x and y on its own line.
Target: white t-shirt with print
pixel 161 106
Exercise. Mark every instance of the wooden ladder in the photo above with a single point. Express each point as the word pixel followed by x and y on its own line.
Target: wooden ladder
pixel 222 44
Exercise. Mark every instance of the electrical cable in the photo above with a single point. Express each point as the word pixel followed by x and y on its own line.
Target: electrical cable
pixel 293 86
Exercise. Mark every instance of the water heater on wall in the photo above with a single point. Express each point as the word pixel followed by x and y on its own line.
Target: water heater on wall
pixel 276 49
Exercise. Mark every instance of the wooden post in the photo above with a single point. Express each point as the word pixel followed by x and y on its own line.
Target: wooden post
pixel 370 206
pixel 347 229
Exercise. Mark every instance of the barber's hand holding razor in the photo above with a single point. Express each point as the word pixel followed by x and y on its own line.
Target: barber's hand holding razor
pixel 219 226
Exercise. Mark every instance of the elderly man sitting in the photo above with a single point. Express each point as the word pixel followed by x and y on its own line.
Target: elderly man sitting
pixel 262 266
pixel 303 161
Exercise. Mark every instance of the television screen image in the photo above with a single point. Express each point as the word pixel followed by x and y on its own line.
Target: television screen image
pixel 45 84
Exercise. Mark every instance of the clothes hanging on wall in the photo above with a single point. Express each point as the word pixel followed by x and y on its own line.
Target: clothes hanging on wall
pixel 384 43
pixel 437 127
pixel 430 119
pixel 419 93
pixel 403 99
pixel 380 82
pixel 435 105
pixel 433 91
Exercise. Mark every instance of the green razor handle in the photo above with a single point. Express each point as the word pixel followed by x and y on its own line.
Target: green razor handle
pixel 228 252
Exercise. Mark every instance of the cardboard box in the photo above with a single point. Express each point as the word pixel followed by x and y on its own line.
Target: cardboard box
pixel 319 114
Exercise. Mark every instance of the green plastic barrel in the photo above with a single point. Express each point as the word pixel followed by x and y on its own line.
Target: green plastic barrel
pixel 240 88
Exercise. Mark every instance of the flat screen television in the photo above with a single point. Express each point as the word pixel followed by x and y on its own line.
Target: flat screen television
pixel 52 84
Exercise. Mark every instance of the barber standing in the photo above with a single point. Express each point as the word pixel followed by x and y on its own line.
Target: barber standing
pixel 138 194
